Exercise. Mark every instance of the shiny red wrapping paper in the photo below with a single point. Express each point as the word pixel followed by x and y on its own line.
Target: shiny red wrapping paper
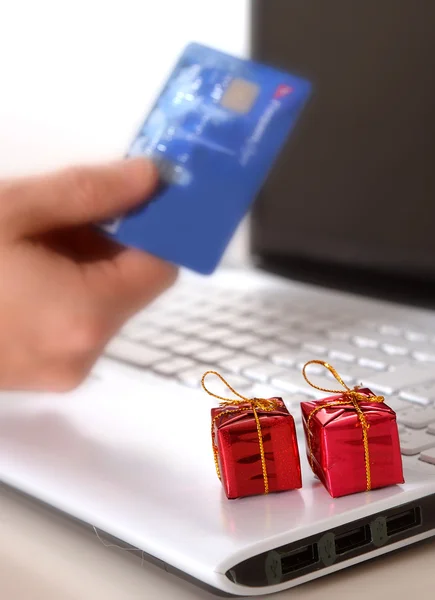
pixel 337 449
pixel 237 442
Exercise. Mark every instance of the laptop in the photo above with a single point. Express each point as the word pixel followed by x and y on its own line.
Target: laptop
pixel 342 268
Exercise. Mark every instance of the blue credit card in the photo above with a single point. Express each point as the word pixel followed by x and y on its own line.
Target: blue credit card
pixel 214 133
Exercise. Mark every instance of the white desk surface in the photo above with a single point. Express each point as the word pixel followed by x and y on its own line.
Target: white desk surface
pixel 43 556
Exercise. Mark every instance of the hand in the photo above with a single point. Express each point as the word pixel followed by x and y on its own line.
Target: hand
pixel 65 289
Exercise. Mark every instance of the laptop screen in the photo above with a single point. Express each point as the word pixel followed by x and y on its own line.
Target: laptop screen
pixel 355 185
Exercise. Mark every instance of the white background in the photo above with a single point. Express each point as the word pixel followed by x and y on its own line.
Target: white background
pixel 77 77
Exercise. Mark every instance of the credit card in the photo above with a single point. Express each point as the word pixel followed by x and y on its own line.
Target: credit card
pixel 214 134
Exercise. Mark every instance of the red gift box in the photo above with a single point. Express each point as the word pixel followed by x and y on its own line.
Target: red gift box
pixel 352 441
pixel 255 446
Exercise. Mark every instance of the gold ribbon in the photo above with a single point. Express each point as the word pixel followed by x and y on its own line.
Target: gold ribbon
pixel 352 396
pixel 254 404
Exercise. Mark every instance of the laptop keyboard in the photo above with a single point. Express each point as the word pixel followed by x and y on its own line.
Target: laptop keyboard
pixel 260 344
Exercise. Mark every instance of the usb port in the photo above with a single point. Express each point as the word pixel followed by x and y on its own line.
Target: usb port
pixel 404 521
pixel 299 559
pixel 351 540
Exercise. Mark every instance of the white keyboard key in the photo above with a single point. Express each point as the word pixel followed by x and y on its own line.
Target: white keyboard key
pixel 266 349
pixel 352 329
pixel 214 334
pixel 249 324
pixel 316 325
pixel 397 404
pixel 205 309
pixel 417 418
pixel 294 382
pixel 357 372
pixel 425 356
pixel 289 383
pixel 373 358
pixel 238 383
pixel 365 341
pixel 316 346
pixel 396 361
pixel 423 393
pixel 268 311
pixel 342 351
pixel 390 329
pixel 224 317
pixel 174 298
pixel 191 327
pixel 263 390
pixel 165 340
pixel 264 329
pixel 192 378
pixel 262 372
pixel 428 456
pixel 431 429
pixel 138 332
pixel 395 381
pixel 165 320
pixel 203 313
pixel 173 366
pixel 394 350
pixel 368 324
pixel 338 334
pixel 289 339
pixel 190 347
pixel 238 362
pixel 290 318
pixel 391 340
pixel 413 442
pixel 343 369
pixel 423 347
pixel 241 342
pixel 416 336
pixel 295 358
pixel 380 360
pixel 213 355
pixel 134 353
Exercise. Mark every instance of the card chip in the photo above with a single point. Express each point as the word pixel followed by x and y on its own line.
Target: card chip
pixel 240 96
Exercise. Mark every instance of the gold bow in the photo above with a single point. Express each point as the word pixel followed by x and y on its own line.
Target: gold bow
pixel 352 396
pixel 254 404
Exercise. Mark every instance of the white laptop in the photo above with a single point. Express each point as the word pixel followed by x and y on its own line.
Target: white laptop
pixel 129 452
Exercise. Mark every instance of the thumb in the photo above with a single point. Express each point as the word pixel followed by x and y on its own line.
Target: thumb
pixel 74 196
